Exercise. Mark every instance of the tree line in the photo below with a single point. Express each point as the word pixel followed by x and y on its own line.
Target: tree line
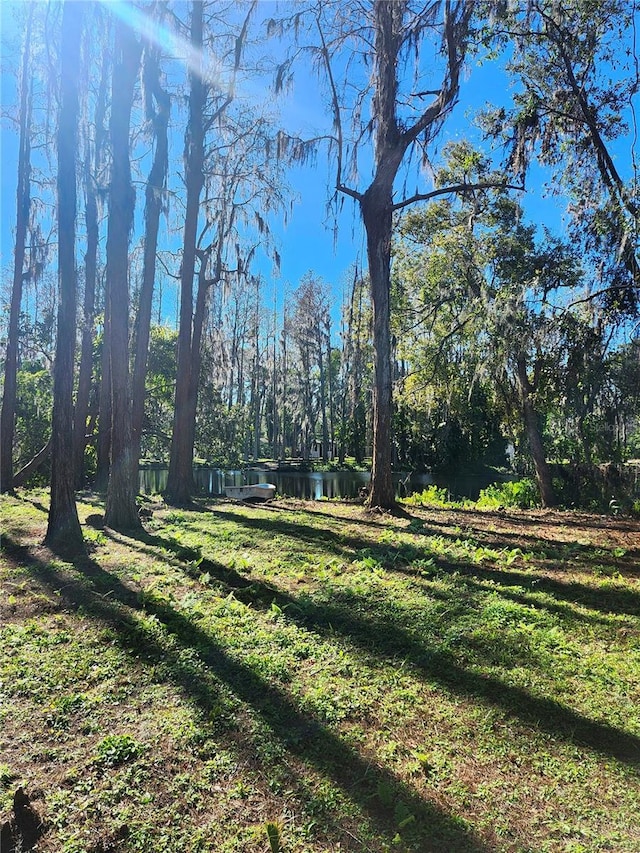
pixel 468 331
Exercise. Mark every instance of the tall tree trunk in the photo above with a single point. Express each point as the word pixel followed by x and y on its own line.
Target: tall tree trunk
pixel 180 482
pixel 63 529
pixel 257 392
pixel 121 511
pixel 284 387
pixel 330 384
pixel 196 350
pixel 103 449
pixel 543 473
pixel 8 413
pixel 323 396
pixel 85 373
pixel 153 208
pixel 393 136
pixel 376 207
pixel 274 388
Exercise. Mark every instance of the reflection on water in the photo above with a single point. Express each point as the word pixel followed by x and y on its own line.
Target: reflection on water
pixel 313 485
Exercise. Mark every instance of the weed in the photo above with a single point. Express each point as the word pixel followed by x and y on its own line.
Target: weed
pixel 450 680
pixel 274 835
pixel 116 750
pixel 431 496
pixel 519 493
pixel 7 776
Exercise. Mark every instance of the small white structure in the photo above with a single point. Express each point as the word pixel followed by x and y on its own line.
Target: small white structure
pixel 259 491
pixel 316 450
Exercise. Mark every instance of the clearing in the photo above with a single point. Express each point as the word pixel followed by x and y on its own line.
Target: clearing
pixel 306 676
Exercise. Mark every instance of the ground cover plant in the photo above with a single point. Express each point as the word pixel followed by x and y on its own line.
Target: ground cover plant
pixel 308 676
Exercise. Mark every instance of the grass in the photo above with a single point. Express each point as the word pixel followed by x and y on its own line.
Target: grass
pixel 310 677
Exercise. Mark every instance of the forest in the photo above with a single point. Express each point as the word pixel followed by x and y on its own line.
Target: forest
pixel 142 320
pixel 411 671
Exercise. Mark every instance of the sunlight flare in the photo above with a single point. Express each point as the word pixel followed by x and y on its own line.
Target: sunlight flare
pixel 203 63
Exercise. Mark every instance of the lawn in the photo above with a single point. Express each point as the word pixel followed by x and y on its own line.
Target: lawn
pixel 306 676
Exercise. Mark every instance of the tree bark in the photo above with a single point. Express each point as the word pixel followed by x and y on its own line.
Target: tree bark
pixel 392 138
pixel 63 529
pixel 153 208
pixel 377 217
pixel 85 372
pixel 196 352
pixel 180 481
pixel 103 450
pixel 8 412
pixel 543 473
pixel 21 476
pixel 121 511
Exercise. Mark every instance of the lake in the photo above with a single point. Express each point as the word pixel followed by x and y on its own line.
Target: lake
pixel 314 485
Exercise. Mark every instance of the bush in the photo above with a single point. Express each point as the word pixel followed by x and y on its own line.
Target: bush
pixel 116 750
pixel 431 496
pixel 521 493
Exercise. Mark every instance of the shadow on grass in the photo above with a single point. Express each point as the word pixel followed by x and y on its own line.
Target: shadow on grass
pixel 569 594
pixel 392 557
pixel 106 598
pixel 380 635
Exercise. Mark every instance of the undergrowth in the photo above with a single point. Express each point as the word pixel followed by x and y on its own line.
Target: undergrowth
pixel 306 677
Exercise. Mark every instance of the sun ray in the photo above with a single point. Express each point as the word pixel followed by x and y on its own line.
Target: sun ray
pixel 202 63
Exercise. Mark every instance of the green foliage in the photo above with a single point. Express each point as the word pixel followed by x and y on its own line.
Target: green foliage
pixel 159 393
pixel 485 658
pixel 431 496
pixel 274 836
pixel 116 750
pixel 34 404
pixel 519 493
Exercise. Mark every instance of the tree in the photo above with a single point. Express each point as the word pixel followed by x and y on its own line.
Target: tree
pixel 180 484
pixel 158 116
pixel 572 104
pixel 159 393
pixel 8 412
pixel 483 285
pixel 310 319
pixel 354 379
pixel 63 529
pixel 121 511
pixel 386 36
pixel 231 165
pixel 94 141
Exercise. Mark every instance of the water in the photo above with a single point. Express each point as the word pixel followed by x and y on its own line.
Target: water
pixel 313 485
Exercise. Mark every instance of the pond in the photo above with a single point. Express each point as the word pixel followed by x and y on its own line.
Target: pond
pixel 313 485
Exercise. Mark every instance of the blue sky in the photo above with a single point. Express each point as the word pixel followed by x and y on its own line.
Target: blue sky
pixel 307 244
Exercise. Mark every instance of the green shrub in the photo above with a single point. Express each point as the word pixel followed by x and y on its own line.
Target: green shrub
pixel 116 750
pixel 431 496
pixel 521 493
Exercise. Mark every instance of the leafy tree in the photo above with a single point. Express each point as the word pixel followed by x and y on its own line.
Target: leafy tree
pixel 310 319
pixel 483 288
pixel 570 107
pixel 386 37
pixel 33 413
pixel 355 372
pixel 159 394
